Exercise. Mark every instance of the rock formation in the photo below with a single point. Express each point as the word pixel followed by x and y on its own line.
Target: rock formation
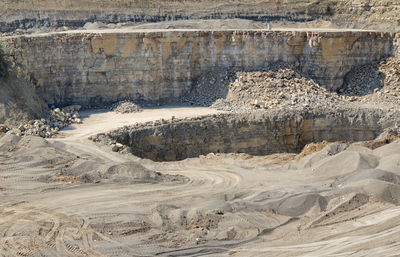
pixel 92 69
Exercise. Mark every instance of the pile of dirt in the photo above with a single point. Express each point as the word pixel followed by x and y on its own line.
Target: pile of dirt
pixel 315 147
pixel 282 88
pixel 126 107
pixel 18 101
pixel 377 82
pixel 93 171
pixel 62 166
pixel 209 87
pixel 49 127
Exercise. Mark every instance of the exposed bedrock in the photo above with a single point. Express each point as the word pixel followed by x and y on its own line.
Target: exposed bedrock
pixel 22 14
pixel 256 134
pixel 18 14
pixel 160 66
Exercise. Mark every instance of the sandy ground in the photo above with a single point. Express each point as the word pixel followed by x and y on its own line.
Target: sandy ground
pixel 70 197
pixel 101 120
pixel 201 25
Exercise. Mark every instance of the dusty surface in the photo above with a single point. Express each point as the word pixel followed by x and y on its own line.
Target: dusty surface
pixel 101 120
pixel 69 196
pixel 72 198
pixel 18 15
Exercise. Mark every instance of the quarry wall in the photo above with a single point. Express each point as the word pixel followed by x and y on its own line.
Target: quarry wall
pixel 256 133
pixel 93 68
pixel 22 14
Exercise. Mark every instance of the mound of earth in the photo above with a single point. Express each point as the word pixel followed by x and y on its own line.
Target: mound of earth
pixel 377 82
pixel 60 165
pixel 126 107
pixel 283 88
pixel 222 201
pixel 19 102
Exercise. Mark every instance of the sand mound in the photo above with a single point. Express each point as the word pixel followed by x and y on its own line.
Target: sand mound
pixel 390 163
pixel 96 171
pixel 341 206
pixel 382 190
pixel 123 225
pixel 344 163
pixel 132 172
pixel 388 149
pixel 300 204
pixel 376 174
pixel 32 142
pixel 9 142
pixel 327 151
pixel 60 165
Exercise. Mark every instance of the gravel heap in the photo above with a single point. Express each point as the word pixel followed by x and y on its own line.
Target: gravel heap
pixel 282 88
pixel 125 107
pixel 377 82
pixel 209 87
pixel 107 139
pixel 58 119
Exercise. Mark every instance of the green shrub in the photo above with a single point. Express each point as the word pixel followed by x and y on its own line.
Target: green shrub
pixel 3 63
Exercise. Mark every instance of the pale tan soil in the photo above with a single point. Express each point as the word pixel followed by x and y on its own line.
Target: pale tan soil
pixel 204 25
pixel 133 29
pixel 219 24
pixel 101 120
pixel 379 14
pixel 229 205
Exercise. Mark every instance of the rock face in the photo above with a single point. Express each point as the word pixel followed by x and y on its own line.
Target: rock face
pixel 18 101
pixel 96 68
pixel 18 14
pixel 256 133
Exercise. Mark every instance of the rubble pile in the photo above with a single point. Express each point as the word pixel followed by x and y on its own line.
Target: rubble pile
pixel 125 107
pixel 58 119
pixel 378 82
pixel 281 88
pixel 209 87
pixel 107 139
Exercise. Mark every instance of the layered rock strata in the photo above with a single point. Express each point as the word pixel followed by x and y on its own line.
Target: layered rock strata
pixel 257 133
pixel 93 68
pixel 20 14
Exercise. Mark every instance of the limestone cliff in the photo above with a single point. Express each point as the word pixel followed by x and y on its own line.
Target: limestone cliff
pixel 160 66
pixel 256 133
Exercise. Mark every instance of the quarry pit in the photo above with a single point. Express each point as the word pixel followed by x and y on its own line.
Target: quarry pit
pixel 218 161
pixel 94 68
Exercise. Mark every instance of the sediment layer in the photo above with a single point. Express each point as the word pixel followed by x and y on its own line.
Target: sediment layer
pixel 257 133
pixel 19 14
pixel 94 68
